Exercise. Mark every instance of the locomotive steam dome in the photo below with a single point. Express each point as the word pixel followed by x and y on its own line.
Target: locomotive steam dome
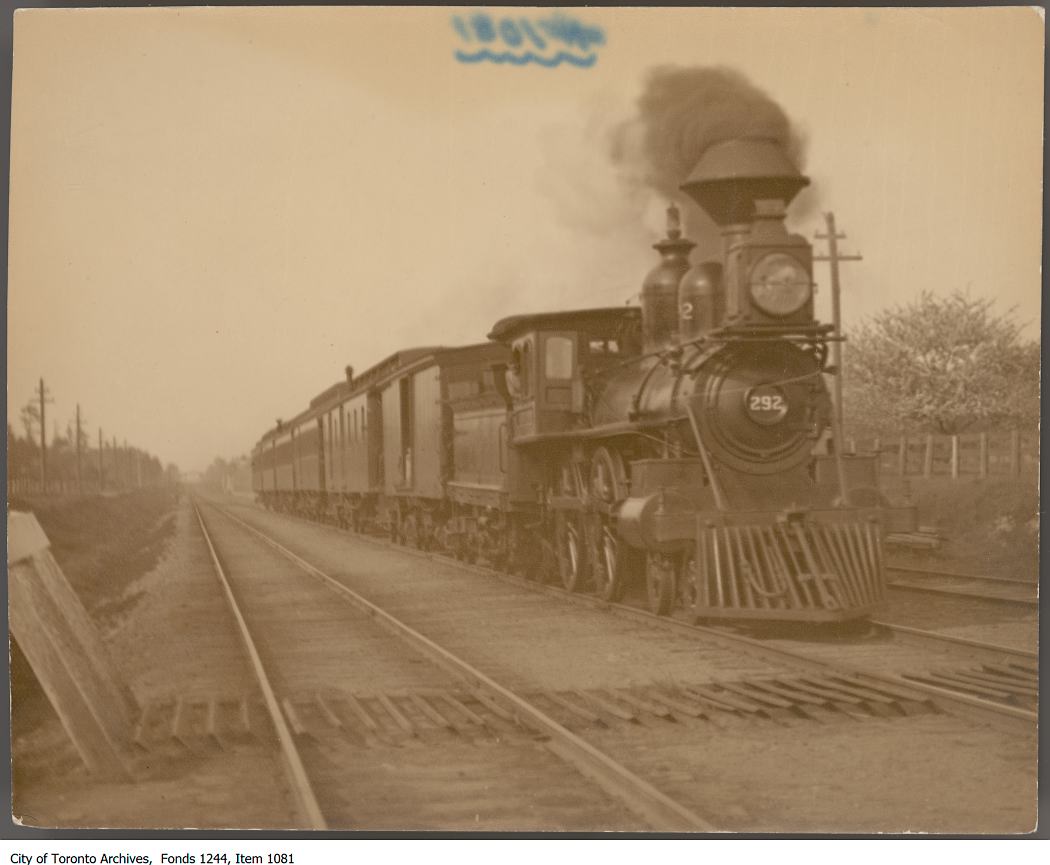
pixel 660 288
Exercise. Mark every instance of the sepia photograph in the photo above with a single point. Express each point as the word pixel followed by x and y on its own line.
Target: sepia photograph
pixel 523 420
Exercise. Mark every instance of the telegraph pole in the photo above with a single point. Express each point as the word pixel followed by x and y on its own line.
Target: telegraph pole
pixel 80 482
pixel 45 398
pixel 101 476
pixel 834 257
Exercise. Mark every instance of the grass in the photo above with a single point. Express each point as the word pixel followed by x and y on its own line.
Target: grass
pixel 990 526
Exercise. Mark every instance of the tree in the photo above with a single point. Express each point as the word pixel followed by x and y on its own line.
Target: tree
pixel 942 364
pixel 31 418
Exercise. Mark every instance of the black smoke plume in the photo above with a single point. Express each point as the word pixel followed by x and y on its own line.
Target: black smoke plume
pixel 681 112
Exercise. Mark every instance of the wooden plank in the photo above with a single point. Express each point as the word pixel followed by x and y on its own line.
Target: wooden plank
pixel 644 705
pixel 433 714
pixel 575 709
pixel 326 711
pixel 118 696
pixel 821 691
pixel 681 706
pixel 29 546
pixel 396 714
pixel 57 661
pixel 720 700
pixel 606 705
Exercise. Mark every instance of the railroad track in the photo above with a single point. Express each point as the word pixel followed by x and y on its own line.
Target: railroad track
pixel 993 590
pixel 649 700
pixel 982 681
pixel 447 705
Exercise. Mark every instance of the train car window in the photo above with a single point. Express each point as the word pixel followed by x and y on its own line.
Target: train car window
pixel 604 346
pixel 558 357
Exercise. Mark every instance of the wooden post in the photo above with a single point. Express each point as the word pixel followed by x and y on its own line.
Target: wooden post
pixel 982 455
pixel 1015 452
pixel 43 438
pixel 902 456
pixel 927 460
pixel 955 457
pixel 80 478
pixel 65 652
pixel 852 445
pixel 833 258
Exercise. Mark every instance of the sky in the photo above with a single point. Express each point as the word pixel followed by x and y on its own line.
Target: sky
pixel 213 211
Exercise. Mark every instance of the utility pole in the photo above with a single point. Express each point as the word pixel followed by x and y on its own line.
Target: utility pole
pixel 116 463
pixel 101 476
pixel 45 398
pixel 834 257
pixel 80 482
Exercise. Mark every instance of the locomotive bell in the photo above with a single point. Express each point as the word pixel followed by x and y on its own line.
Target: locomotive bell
pixel 660 289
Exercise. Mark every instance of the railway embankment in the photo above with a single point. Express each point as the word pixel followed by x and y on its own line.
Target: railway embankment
pixel 988 525
pixel 104 545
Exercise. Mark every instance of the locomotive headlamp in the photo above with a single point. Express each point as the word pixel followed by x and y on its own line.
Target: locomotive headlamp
pixel 779 284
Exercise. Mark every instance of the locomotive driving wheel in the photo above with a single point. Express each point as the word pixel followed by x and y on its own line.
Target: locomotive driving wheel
pixel 571 549
pixel 661 582
pixel 611 560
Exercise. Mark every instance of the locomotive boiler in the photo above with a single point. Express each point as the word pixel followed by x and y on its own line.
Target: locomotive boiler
pixel 687 446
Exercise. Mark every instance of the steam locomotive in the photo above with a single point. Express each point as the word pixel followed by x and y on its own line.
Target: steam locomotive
pixel 686 444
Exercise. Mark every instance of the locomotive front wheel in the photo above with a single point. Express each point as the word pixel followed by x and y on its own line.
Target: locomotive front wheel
pixel 661 582
pixel 571 549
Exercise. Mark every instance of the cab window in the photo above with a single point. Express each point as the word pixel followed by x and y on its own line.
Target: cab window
pixel 558 357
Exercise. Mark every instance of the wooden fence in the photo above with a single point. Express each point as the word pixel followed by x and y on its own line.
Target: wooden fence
pixel 998 454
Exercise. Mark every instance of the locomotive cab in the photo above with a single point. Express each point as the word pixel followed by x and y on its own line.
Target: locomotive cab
pixel 552 357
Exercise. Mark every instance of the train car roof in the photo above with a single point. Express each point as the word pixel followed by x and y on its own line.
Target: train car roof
pixel 387 368
pixel 508 328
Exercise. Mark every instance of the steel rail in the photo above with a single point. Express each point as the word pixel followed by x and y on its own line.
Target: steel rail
pixel 935 636
pixel 310 811
pixel 662 812
pixel 957 593
pixel 907 569
pixel 963 704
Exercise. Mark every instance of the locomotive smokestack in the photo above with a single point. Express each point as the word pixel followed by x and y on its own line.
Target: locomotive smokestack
pixel 660 289
pixel 732 176
pixel 745 185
